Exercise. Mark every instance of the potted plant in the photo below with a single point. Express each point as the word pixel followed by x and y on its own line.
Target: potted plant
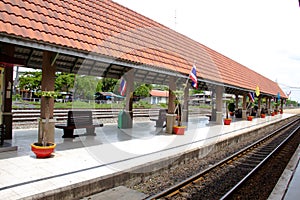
pixel 44 148
pixel 249 118
pixel 262 113
pixel 275 106
pixel 272 113
pixel 231 108
pixel 227 120
pixel 179 129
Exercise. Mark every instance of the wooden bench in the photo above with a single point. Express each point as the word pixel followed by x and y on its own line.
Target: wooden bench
pixel 160 122
pixel 76 120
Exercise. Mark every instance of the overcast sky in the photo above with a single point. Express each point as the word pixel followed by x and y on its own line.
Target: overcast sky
pixel 263 35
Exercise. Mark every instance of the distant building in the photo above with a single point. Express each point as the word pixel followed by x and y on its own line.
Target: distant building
pixel 159 96
pixel 201 98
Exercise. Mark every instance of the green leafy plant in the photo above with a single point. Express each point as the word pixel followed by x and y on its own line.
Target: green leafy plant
pixel 231 107
pixel 48 94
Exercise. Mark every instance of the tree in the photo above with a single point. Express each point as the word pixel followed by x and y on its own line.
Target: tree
pixel 85 87
pixel 30 81
pixel 143 90
pixel 64 82
pixel 108 84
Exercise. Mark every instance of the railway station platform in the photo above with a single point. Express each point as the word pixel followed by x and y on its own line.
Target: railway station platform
pixel 109 157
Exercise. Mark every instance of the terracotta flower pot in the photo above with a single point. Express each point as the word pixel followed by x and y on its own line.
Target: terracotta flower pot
pixel 262 115
pixel 43 151
pixel 179 130
pixel 227 121
pixel 249 118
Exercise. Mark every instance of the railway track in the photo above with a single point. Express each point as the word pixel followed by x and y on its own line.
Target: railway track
pixel 243 175
pixel 29 117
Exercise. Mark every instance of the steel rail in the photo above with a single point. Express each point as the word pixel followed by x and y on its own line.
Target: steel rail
pixel 175 189
pixel 254 170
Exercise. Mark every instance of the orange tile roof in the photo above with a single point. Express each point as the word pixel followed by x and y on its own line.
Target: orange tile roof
pixel 113 30
pixel 159 93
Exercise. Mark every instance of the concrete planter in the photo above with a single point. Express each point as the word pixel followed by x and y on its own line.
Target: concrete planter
pixel 43 151
pixel 179 130
pixel 249 118
pixel 227 121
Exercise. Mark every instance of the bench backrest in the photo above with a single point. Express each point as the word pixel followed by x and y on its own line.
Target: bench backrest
pixel 162 114
pixel 79 118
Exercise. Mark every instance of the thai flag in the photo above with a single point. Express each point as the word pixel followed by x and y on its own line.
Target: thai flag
pixel 251 96
pixel 193 77
pixel 123 85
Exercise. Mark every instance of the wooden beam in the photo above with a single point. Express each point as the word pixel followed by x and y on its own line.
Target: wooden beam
pixel 53 60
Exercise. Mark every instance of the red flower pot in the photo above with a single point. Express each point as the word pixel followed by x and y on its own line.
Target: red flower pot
pixel 43 151
pixel 249 118
pixel 227 121
pixel 273 114
pixel 262 115
pixel 179 130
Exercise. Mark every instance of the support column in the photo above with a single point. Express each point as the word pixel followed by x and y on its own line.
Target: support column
pixel 171 116
pixel 7 93
pixel 244 111
pixel 185 114
pixel 259 106
pixel 219 105
pixel 47 123
pixel 213 105
pixel 236 101
pixel 7 101
pixel 129 97
pixel 269 105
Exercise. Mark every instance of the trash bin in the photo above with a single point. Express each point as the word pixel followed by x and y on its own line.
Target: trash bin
pixel 124 120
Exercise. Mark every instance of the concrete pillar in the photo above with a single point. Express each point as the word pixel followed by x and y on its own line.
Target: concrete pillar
pixel 259 105
pixel 219 105
pixel 213 105
pixel 244 111
pixel 129 96
pixel 171 116
pixel 47 123
pixel 7 101
pixel 236 101
pixel 185 113
pixel 7 93
pixel 269 105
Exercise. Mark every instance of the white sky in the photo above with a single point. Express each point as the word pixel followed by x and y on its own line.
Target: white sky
pixel 263 35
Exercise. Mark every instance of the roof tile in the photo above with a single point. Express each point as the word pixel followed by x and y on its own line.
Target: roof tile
pixel 121 33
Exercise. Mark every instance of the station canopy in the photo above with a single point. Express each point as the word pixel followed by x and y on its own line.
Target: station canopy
pixel 106 39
